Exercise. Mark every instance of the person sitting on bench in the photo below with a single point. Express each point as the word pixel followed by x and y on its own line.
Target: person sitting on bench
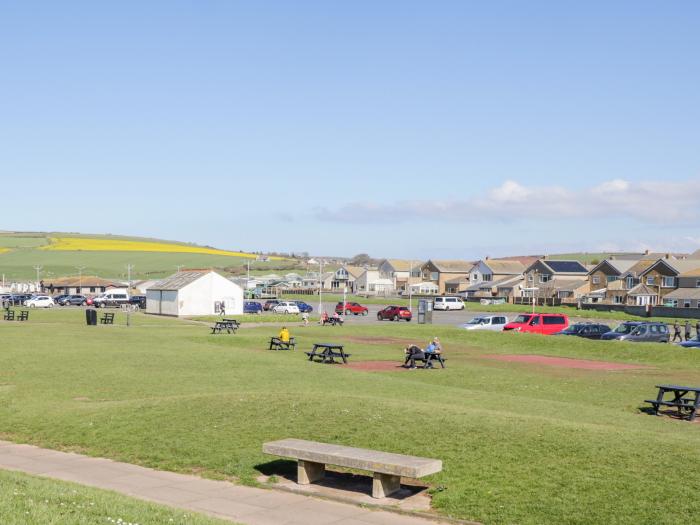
pixel 324 318
pixel 284 335
pixel 432 349
pixel 413 353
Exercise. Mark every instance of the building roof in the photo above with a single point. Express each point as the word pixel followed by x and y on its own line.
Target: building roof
pixel 84 281
pixel 452 266
pixel 355 271
pixel 178 281
pixel 402 265
pixel 560 266
pixel 683 293
pixel 678 265
pixel 619 265
pixel 525 260
pixel 691 273
pixel 642 289
pixel 639 267
pixel 505 266
pixel 566 285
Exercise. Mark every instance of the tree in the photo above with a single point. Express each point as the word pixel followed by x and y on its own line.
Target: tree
pixel 361 259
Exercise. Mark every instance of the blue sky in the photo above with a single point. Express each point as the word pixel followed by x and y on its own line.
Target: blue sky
pixel 406 129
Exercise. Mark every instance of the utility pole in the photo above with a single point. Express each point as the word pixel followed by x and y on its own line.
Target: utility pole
pixel 320 286
pixel 179 267
pixel 408 284
pixel 80 277
pixel 128 278
pixel 38 271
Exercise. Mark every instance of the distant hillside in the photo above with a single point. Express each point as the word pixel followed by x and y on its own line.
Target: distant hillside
pixel 62 254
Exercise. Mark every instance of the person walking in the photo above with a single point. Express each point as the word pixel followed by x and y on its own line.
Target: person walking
pixel 677 331
pixel 688 330
pixel 697 330
pixel 305 318
pixel 222 308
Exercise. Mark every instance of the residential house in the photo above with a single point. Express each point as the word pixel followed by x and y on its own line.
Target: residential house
pixel 663 277
pixel 487 275
pixel 85 285
pixel 551 279
pixel 687 295
pixel 345 276
pixel 371 283
pixel 401 272
pixel 440 272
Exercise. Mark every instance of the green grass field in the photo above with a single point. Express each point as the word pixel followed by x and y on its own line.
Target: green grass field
pixel 30 500
pixel 520 443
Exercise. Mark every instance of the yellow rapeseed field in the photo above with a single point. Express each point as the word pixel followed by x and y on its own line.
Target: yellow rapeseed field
pixel 4 250
pixel 119 245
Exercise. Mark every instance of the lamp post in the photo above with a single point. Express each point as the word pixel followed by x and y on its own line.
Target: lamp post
pixel 128 278
pixel 408 284
pixel 80 277
pixel 320 286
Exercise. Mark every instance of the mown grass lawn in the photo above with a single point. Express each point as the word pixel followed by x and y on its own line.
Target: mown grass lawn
pixel 520 443
pixel 30 500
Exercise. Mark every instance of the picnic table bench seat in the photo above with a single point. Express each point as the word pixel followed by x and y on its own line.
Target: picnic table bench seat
pixel 387 468
pixel 277 344
pixel 230 325
pixel 107 318
pixel 23 315
pixel 685 405
pixel 428 360
pixel 327 353
pixel 9 315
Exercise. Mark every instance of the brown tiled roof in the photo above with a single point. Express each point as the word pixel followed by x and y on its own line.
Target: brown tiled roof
pixel 642 289
pixel 86 280
pixel 505 266
pixel 453 266
pixel 402 265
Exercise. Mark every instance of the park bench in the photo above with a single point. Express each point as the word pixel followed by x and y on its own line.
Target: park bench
pixel 230 325
pixel 277 344
pixel 681 401
pixel 23 315
pixel 333 321
pixel 107 318
pixel 429 358
pixel 9 315
pixel 327 352
pixel 235 325
pixel 387 468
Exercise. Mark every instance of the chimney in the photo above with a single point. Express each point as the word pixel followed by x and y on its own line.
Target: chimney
pixel 667 256
pixel 646 252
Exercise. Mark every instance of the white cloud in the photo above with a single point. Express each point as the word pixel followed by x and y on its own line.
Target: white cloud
pixel 658 203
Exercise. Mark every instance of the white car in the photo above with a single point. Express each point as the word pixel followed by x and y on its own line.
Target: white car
pixel 286 307
pixel 448 303
pixel 489 322
pixel 40 301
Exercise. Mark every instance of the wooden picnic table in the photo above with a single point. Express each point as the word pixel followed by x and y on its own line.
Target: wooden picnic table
pixel 277 344
pixel 327 352
pixel 230 325
pixel 681 400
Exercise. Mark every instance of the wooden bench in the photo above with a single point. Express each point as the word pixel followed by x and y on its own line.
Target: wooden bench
pixel 107 318
pixel 387 468
pixel 230 325
pixel 685 405
pixel 277 344
pixel 327 352
pixel 429 358
pixel 23 315
pixel 235 325
pixel 9 315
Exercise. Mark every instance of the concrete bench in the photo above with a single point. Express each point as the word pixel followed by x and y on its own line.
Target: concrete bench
pixel 387 468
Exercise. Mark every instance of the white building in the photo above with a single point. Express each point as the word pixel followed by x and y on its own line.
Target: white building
pixel 194 293
pixel 370 283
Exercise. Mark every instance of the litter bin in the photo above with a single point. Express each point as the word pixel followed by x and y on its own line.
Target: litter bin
pixel 91 317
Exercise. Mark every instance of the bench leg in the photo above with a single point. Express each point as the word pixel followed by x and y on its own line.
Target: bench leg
pixel 384 485
pixel 308 472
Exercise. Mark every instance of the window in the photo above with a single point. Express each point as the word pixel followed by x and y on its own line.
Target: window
pixel 92 289
pixel 668 282
pixel 697 283
pixel 686 303
pixel 618 299
pixel 595 279
pixel 553 319
pixel 671 303
pixel 434 276
pixel 630 283
pixel 650 279
pixel 530 278
pixel 545 277
pixel 654 329
pixel 612 278
pixel 487 277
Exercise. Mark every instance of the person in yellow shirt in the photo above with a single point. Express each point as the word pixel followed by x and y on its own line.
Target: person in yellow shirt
pixel 284 335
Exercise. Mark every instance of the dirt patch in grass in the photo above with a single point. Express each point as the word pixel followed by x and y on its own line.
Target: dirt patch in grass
pixel 379 340
pixel 376 366
pixel 564 362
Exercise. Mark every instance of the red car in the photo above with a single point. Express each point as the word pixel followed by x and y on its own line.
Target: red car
pixel 546 324
pixel 395 313
pixel 351 308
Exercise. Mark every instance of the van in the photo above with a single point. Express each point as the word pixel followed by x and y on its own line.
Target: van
pixel 648 333
pixel 448 303
pixel 546 324
pixel 115 298
pixel 495 323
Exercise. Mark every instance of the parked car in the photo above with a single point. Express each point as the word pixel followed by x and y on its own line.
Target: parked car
pixel 269 305
pixel 252 307
pixel 651 332
pixel 40 301
pixel 351 308
pixel 623 328
pixel 693 343
pixel 72 300
pixel 304 307
pixel 448 303
pixel 113 298
pixel 546 324
pixel 286 307
pixel 490 322
pixel 138 300
pixel 59 298
pixel 586 330
pixel 395 313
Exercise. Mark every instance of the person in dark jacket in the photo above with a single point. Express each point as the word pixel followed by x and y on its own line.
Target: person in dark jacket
pixel 677 331
pixel 688 330
pixel 413 353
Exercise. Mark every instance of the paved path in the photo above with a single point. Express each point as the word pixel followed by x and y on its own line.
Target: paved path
pixel 251 506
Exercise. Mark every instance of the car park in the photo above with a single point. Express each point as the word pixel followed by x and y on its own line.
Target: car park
pixel 270 304
pixel 252 307
pixel 351 308
pixel 448 303
pixel 395 313
pixel 623 328
pixel 39 301
pixel 586 330
pixel 545 324
pixel 304 307
pixel 286 307
pixel 494 323
pixel 651 332
pixel 112 298
pixel 74 300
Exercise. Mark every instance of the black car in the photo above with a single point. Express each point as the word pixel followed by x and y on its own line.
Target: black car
pixel 18 299
pixel 138 300
pixel 624 328
pixel 586 330
pixel 72 300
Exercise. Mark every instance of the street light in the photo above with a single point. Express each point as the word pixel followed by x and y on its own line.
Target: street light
pixel 320 286
pixel 80 277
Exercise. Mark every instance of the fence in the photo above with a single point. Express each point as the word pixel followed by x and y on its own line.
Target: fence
pixel 643 311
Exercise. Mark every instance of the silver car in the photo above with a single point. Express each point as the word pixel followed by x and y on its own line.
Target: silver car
pixel 648 333
pixel 489 322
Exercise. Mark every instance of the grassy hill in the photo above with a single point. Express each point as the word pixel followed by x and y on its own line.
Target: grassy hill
pixel 60 254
